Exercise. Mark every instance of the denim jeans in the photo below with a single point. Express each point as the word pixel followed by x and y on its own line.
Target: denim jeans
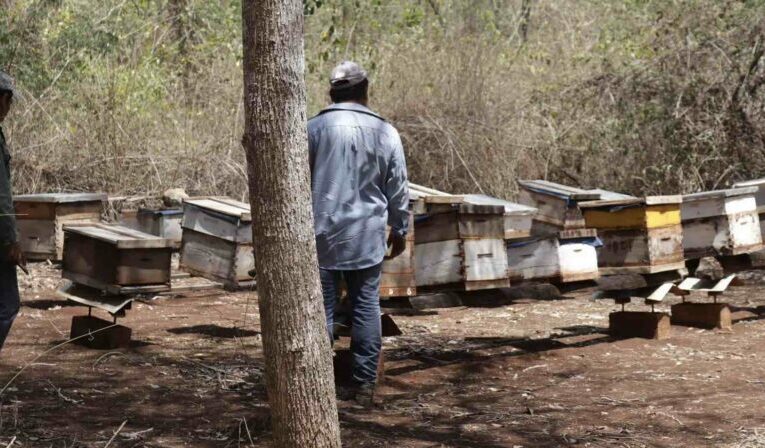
pixel 366 334
pixel 9 299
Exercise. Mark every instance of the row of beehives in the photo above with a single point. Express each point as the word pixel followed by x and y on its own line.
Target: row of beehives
pixel 562 234
pixel 213 235
pixel 464 242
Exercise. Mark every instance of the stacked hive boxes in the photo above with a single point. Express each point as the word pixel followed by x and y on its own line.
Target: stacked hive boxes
pixel 721 222
pixel 459 245
pixel 561 249
pixel 217 240
pixel 640 235
pixel 116 259
pixel 40 219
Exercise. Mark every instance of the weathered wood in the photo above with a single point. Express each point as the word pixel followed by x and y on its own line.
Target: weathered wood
pixel 398 274
pixel 216 259
pixel 721 222
pixel 97 257
pixel 119 236
pixel 518 217
pixel 220 217
pixel 60 198
pixel 165 223
pixel 438 262
pixel 40 221
pixel 95 333
pixel 638 324
pixel 551 259
pixel 702 315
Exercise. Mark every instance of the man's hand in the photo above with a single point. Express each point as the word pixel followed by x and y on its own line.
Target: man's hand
pixel 16 256
pixel 397 245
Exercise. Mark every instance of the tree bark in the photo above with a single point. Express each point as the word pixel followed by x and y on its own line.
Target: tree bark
pixel 298 356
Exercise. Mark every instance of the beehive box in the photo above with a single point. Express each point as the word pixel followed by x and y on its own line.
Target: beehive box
pixel 721 222
pixel 116 259
pixel 556 204
pixel 165 223
pixel 567 257
pixel 640 235
pixel 461 246
pixel 40 219
pixel 217 240
pixel 759 197
pixel 518 218
pixel 398 275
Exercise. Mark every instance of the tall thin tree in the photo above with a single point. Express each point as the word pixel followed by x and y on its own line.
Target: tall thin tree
pixel 299 376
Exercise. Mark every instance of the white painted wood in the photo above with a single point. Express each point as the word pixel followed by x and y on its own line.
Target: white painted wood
pixel 578 261
pixel 722 223
pixel 534 259
pixel 485 259
pixel 741 204
pixel 705 236
pixel 744 230
pixel 243 263
pixel 438 263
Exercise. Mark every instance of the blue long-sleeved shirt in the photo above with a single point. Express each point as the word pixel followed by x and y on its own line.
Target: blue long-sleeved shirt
pixel 359 184
pixel 7 212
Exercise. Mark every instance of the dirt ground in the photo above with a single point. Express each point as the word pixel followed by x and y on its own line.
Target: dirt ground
pixel 532 372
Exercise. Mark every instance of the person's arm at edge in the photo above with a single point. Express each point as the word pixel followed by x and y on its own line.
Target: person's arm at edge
pixel 397 192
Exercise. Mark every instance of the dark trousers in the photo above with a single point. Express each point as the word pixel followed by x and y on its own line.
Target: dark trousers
pixel 366 334
pixel 9 299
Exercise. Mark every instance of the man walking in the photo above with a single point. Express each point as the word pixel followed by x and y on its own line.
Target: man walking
pixel 10 251
pixel 359 184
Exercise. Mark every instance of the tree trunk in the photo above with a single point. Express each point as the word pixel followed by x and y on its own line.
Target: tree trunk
pixel 298 356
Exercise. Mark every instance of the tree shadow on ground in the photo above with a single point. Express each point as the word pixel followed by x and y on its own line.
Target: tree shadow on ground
pixel 47 304
pixel 215 331
pixel 518 346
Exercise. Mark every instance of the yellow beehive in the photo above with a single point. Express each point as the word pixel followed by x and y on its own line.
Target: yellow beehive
pixel 639 235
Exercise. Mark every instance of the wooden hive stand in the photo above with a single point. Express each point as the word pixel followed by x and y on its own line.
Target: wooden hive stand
pixel 703 315
pixel 652 288
pixel 108 265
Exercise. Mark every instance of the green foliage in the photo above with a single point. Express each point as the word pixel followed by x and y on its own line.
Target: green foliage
pixel 632 95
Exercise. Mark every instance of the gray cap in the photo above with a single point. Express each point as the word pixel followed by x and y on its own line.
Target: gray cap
pixel 7 83
pixel 346 75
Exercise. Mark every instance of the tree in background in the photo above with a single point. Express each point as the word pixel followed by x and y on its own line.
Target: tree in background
pixel 298 355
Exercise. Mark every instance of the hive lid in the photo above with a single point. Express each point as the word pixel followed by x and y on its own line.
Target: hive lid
pixel 607 195
pixel 719 194
pixel 511 208
pixel 432 196
pixel 121 236
pixel 60 198
pixel 160 212
pixel 559 190
pixel 750 183
pixel 633 202
pixel 223 205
